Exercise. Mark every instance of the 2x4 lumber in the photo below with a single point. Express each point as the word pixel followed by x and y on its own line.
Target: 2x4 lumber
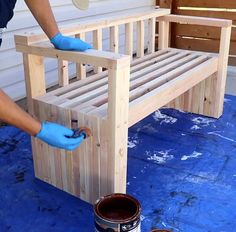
pixel 118 108
pixel 169 91
pixel 63 75
pixel 222 14
pixel 196 20
pixel 222 69
pixel 34 77
pixel 80 68
pixel 90 56
pixel 114 39
pixel 129 34
pixel 163 38
pixel 97 43
pixel 88 26
pixel 151 34
pixel 140 38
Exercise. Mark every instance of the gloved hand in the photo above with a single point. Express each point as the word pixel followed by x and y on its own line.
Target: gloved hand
pixel 58 136
pixel 68 43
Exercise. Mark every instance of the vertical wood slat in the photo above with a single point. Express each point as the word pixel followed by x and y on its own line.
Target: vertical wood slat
pixel 114 39
pixel 222 69
pixel 151 34
pixel 163 38
pixel 63 75
pixel 34 78
pixel 118 108
pixel 140 38
pixel 97 43
pixel 80 68
pixel 129 34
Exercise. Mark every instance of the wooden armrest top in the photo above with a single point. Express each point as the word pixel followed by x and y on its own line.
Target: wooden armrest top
pixel 91 56
pixel 204 21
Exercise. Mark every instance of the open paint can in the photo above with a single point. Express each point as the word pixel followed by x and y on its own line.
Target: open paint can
pixel 117 213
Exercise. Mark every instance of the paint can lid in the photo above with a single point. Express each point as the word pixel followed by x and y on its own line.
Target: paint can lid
pixel 81 4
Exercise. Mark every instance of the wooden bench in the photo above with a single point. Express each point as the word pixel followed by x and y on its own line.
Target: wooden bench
pixel 121 92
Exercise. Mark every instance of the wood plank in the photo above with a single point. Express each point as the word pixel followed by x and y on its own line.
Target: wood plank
pixel 163 38
pixel 151 35
pixel 202 45
pixel 80 68
pixel 140 38
pixel 230 4
pixel 114 39
pixel 97 43
pixel 34 77
pixel 209 14
pixel 222 70
pixel 118 107
pixel 195 18
pixel 90 56
pixel 63 75
pixel 129 34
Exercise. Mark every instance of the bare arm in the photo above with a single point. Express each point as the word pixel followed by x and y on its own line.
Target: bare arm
pixel 42 12
pixel 11 113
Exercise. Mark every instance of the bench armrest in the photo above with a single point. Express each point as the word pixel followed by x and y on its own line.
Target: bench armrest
pixel 204 21
pixel 90 56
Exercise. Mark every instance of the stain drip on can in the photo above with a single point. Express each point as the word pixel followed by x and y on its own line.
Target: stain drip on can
pixel 117 213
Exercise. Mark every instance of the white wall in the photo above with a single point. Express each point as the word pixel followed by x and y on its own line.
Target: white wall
pixel 11 69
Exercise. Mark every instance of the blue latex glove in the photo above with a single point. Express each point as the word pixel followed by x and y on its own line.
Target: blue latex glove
pixel 59 136
pixel 69 44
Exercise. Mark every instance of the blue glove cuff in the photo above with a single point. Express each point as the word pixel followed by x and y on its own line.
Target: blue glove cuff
pixel 40 134
pixel 55 40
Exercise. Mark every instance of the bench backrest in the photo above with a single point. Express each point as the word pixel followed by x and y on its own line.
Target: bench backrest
pixel 144 22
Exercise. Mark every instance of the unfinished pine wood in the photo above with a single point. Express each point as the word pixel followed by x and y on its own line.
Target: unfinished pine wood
pixel 151 35
pixel 80 68
pixel 63 75
pixel 118 107
pixel 34 77
pixel 140 38
pixel 129 39
pixel 197 20
pixel 222 69
pixel 111 101
pixel 163 38
pixel 114 39
pixel 97 43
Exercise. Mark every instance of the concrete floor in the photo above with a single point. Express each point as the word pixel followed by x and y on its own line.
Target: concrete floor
pixel 231 81
pixel 181 167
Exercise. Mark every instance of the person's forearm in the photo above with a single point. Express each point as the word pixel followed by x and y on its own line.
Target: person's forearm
pixel 11 113
pixel 42 12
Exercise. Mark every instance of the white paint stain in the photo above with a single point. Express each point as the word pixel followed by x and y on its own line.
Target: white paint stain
pixel 195 127
pixel 132 143
pixel 142 217
pixel 202 121
pixel 221 136
pixel 193 155
pixel 163 118
pixel 160 157
pixel 227 100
